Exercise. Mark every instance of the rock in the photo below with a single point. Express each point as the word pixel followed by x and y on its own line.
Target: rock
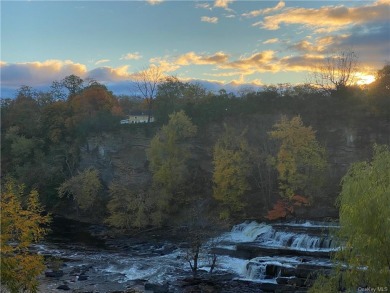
pixel 63 287
pixel 83 278
pixel 135 289
pixel 296 282
pixel 287 272
pixel 282 280
pixel 54 274
pixel 157 288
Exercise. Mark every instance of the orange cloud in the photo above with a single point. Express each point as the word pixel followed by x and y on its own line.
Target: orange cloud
pixel 319 45
pixel 131 56
pixel 164 64
pixel 260 62
pixel 298 63
pixel 39 73
pixel 154 2
pixel 109 74
pixel 271 41
pixel 255 13
pixel 222 3
pixel 44 73
pixel 102 61
pixel 328 17
pixel 193 58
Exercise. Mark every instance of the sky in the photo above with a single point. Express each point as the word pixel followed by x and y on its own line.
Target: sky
pixel 221 43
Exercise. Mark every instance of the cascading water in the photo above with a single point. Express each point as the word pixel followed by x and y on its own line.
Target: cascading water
pixel 256 252
pixel 276 248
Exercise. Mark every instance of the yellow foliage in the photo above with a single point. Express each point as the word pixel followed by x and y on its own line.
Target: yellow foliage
pixel 300 160
pixel 19 229
pixel 84 188
pixel 231 167
pixel 168 155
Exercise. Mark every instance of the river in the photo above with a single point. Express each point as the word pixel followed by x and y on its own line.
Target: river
pixel 261 256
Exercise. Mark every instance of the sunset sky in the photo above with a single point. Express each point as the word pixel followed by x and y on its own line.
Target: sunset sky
pixel 227 43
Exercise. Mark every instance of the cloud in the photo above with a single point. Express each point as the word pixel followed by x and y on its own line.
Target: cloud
pixel 102 61
pixel 255 13
pixel 131 56
pixel 271 41
pixel 223 74
pixel 320 45
pixel 154 2
pixel 371 43
pixel 209 19
pixel 169 64
pixel 260 62
pixel 39 73
pixel 222 3
pixel 328 17
pixel 164 64
pixel 204 6
pixel 298 63
pixel 109 74
pixel 193 58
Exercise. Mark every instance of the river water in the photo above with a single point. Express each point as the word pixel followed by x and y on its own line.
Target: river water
pixel 251 251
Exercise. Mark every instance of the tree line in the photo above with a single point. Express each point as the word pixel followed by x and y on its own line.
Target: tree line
pixel 42 134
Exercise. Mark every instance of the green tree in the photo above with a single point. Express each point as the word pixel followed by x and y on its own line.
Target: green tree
pixel 168 155
pixel 170 94
pixel 73 83
pixel 231 167
pixel 379 93
pixel 127 208
pixel 20 227
pixel 84 188
pixel 364 232
pixel 300 161
pixel 364 221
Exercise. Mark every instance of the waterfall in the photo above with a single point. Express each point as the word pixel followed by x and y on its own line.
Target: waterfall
pixel 280 249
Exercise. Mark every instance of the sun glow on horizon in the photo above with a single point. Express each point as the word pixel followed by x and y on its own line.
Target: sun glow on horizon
pixel 364 79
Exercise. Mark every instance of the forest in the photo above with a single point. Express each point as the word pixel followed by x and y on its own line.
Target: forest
pixel 285 151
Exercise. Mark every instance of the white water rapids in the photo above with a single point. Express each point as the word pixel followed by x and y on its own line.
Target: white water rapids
pixel 123 266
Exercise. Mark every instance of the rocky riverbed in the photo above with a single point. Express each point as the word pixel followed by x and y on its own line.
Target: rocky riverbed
pixel 252 257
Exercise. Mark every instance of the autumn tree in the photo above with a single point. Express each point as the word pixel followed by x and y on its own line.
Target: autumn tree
pixel 84 188
pixel 94 109
pixel 21 227
pixel 168 155
pixel 300 161
pixel 231 167
pixel 128 208
pixel 147 81
pixel 337 72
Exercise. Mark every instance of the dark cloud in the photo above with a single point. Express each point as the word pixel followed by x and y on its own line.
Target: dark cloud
pixel 371 43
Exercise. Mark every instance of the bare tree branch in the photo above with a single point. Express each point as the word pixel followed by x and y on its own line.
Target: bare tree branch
pixel 337 72
pixel 146 82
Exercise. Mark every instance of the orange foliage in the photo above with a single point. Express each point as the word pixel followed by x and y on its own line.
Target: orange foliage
pixel 284 207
